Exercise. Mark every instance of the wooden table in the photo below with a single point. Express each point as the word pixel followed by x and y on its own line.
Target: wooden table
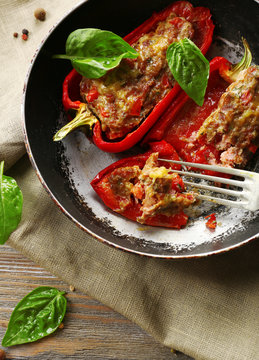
pixel 91 330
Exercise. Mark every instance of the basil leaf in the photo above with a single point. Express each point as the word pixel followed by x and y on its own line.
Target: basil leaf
pixel 93 51
pixel 190 68
pixel 37 315
pixel 11 201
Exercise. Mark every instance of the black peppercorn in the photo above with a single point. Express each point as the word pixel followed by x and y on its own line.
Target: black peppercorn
pixel 25 31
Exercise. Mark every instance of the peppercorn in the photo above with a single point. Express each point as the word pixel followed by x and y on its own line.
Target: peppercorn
pixel 24 37
pixel 15 34
pixel 40 14
pixel 25 31
pixel 2 354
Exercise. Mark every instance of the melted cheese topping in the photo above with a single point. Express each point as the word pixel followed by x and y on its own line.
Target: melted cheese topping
pixel 159 172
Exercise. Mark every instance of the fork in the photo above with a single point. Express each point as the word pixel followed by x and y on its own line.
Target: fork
pixel 247 197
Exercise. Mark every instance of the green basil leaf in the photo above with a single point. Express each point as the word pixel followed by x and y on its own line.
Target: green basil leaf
pixel 37 315
pixel 190 68
pixel 11 201
pixel 93 51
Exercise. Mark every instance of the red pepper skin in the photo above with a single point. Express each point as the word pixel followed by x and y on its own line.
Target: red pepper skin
pixel 71 91
pixel 184 116
pixel 212 221
pixel 101 186
pixel 201 19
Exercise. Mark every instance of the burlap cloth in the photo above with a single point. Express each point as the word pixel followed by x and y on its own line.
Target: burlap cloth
pixel 207 308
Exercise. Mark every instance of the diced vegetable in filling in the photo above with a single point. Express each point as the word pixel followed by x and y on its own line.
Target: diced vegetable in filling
pixel 156 189
pixel 233 127
pixel 124 96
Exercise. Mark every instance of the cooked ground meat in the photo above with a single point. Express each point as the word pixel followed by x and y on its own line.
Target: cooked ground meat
pixel 159 195
pixel 234 126
pixel 125 95
pixel 154 187
pixel 121 182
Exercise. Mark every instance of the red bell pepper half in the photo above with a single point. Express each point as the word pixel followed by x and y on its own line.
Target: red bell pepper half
pixel 200 18
pixel 119 188
pixel 183 119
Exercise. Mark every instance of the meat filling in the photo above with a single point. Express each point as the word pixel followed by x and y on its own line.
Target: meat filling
pixel 125 95
pixel 233 127
pixel 156 189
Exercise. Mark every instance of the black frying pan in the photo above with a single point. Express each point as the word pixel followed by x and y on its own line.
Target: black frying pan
pixel 65 169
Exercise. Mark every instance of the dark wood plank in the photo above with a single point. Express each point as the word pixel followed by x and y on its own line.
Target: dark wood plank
pixel 91 330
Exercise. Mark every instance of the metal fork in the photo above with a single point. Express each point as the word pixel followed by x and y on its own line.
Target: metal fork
pixel 247 197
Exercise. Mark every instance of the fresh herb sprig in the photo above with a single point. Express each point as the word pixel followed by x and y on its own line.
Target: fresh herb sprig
pixel 11 201
pixel 93 51
pixel 37 315
pixel 190 68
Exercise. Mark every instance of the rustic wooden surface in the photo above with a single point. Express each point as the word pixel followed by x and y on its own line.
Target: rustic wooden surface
pixel 91 330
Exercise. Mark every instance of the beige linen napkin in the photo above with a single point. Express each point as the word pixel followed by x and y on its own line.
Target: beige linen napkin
pixel 206 308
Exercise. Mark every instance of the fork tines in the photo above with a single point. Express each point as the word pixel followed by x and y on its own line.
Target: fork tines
pixel 247 196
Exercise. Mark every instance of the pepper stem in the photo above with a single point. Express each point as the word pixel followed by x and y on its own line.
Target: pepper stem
pixel 230 75
pixel 245 62
pixel 83 117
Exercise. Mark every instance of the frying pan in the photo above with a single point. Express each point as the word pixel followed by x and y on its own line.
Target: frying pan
pixel 66 168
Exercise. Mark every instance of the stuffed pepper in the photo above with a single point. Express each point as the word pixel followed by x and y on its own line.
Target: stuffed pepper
pixel 225 130
pixel 144 189
pixel 123 104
